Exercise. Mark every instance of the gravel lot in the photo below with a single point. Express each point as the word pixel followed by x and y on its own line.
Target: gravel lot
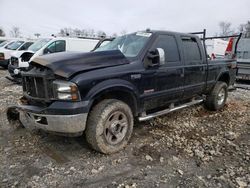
pixel 188 148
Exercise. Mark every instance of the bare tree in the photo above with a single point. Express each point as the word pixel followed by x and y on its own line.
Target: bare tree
pixel 2 33
pixel 37 35
pixel 225 29
pixel 77 32
pixel 101 34
pixel 245 29
pixel 15 32
pixel 67 31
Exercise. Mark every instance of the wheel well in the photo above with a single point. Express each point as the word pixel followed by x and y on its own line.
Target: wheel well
pixel 124 96
pixel 224 78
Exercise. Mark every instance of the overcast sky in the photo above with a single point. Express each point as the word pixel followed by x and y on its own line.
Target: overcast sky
pixel 113 16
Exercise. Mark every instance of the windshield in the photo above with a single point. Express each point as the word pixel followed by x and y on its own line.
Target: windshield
pixel 130 45
pixel 14 45
pixel 4 43
pixel 38 44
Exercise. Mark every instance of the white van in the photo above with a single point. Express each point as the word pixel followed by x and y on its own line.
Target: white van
pixel 8 47
pixel 20 60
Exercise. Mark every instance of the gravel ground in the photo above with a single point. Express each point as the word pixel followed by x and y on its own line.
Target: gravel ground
pixel 189 148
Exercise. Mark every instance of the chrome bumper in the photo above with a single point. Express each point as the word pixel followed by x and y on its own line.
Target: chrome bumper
pixel 54 123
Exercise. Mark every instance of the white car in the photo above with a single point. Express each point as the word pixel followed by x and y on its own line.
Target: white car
pixel 8 48
pixel 20 60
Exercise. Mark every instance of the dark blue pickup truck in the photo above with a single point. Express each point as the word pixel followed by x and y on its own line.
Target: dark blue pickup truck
pixel 140 75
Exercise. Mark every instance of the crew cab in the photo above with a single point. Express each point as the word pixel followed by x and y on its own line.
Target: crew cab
pixel 20 60
pixel 140 75
pixel 17 45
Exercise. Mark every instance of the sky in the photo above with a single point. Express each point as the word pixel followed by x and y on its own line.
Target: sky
pixel 114 16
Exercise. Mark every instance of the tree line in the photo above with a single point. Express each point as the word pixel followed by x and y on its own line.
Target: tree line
pixel 225 29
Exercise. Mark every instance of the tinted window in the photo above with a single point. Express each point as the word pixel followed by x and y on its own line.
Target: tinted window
pixel 25 46
pixel 169 45
pixel 191 49
pixel 58 46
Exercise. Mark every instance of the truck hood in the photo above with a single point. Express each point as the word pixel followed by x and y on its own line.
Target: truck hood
pixel 66 64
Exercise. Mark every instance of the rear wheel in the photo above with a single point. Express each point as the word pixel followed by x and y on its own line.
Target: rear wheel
pixel 109 126
pixel 218 96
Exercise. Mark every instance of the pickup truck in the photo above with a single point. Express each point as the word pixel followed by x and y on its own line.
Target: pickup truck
pixel 140 75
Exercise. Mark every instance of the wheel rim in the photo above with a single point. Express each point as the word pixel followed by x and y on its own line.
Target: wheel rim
pixel 221 96
pixel 116 127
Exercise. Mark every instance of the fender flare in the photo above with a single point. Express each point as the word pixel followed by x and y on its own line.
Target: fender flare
pixel 113 85
pixel 223 73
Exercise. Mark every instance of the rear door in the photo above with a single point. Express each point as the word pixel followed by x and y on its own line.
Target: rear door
pixel 195 66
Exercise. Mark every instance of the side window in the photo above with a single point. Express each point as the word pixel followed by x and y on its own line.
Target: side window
pixel 169 45
pixel 25 46
pixel 191 49
pixel 50 49
pixel 60 46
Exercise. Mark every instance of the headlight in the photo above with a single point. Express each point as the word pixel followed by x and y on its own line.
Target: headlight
pixel 1 56
pixel 65 90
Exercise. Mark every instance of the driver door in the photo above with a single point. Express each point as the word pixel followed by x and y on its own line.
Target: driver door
pixel 169 75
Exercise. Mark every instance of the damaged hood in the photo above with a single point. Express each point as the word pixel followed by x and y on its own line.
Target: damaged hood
pixel 66 64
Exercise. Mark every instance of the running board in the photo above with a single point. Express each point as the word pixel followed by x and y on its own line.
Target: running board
pixel 159 113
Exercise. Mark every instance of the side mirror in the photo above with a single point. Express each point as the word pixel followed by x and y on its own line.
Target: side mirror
pixel 157 57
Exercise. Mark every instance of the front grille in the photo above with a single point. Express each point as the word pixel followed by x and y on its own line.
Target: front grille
pixel 14 61
pixel 37 83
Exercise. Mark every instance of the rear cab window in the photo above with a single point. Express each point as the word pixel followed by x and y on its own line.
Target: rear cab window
pixel 191 50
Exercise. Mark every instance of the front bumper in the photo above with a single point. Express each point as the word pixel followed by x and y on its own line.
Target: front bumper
pixel 59 117
pixel 67 124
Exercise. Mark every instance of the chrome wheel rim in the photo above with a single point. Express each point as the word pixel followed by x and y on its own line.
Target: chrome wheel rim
pixel 221 96
pixel 116 127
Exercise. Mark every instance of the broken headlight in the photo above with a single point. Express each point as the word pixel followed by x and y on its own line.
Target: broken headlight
pixel 65 90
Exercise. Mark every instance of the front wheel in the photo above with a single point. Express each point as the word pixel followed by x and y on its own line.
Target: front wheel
pixel 109 126
pixel 217 97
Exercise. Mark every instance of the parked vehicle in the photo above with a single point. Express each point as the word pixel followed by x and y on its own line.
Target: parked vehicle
pixel 216 48
pixel 5 43
pixel 17 45
pixel 140 75
pixel 240 50
pixel 243 59
pixel 20 60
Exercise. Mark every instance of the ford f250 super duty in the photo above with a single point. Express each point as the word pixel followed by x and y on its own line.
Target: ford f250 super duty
pixel 140 75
